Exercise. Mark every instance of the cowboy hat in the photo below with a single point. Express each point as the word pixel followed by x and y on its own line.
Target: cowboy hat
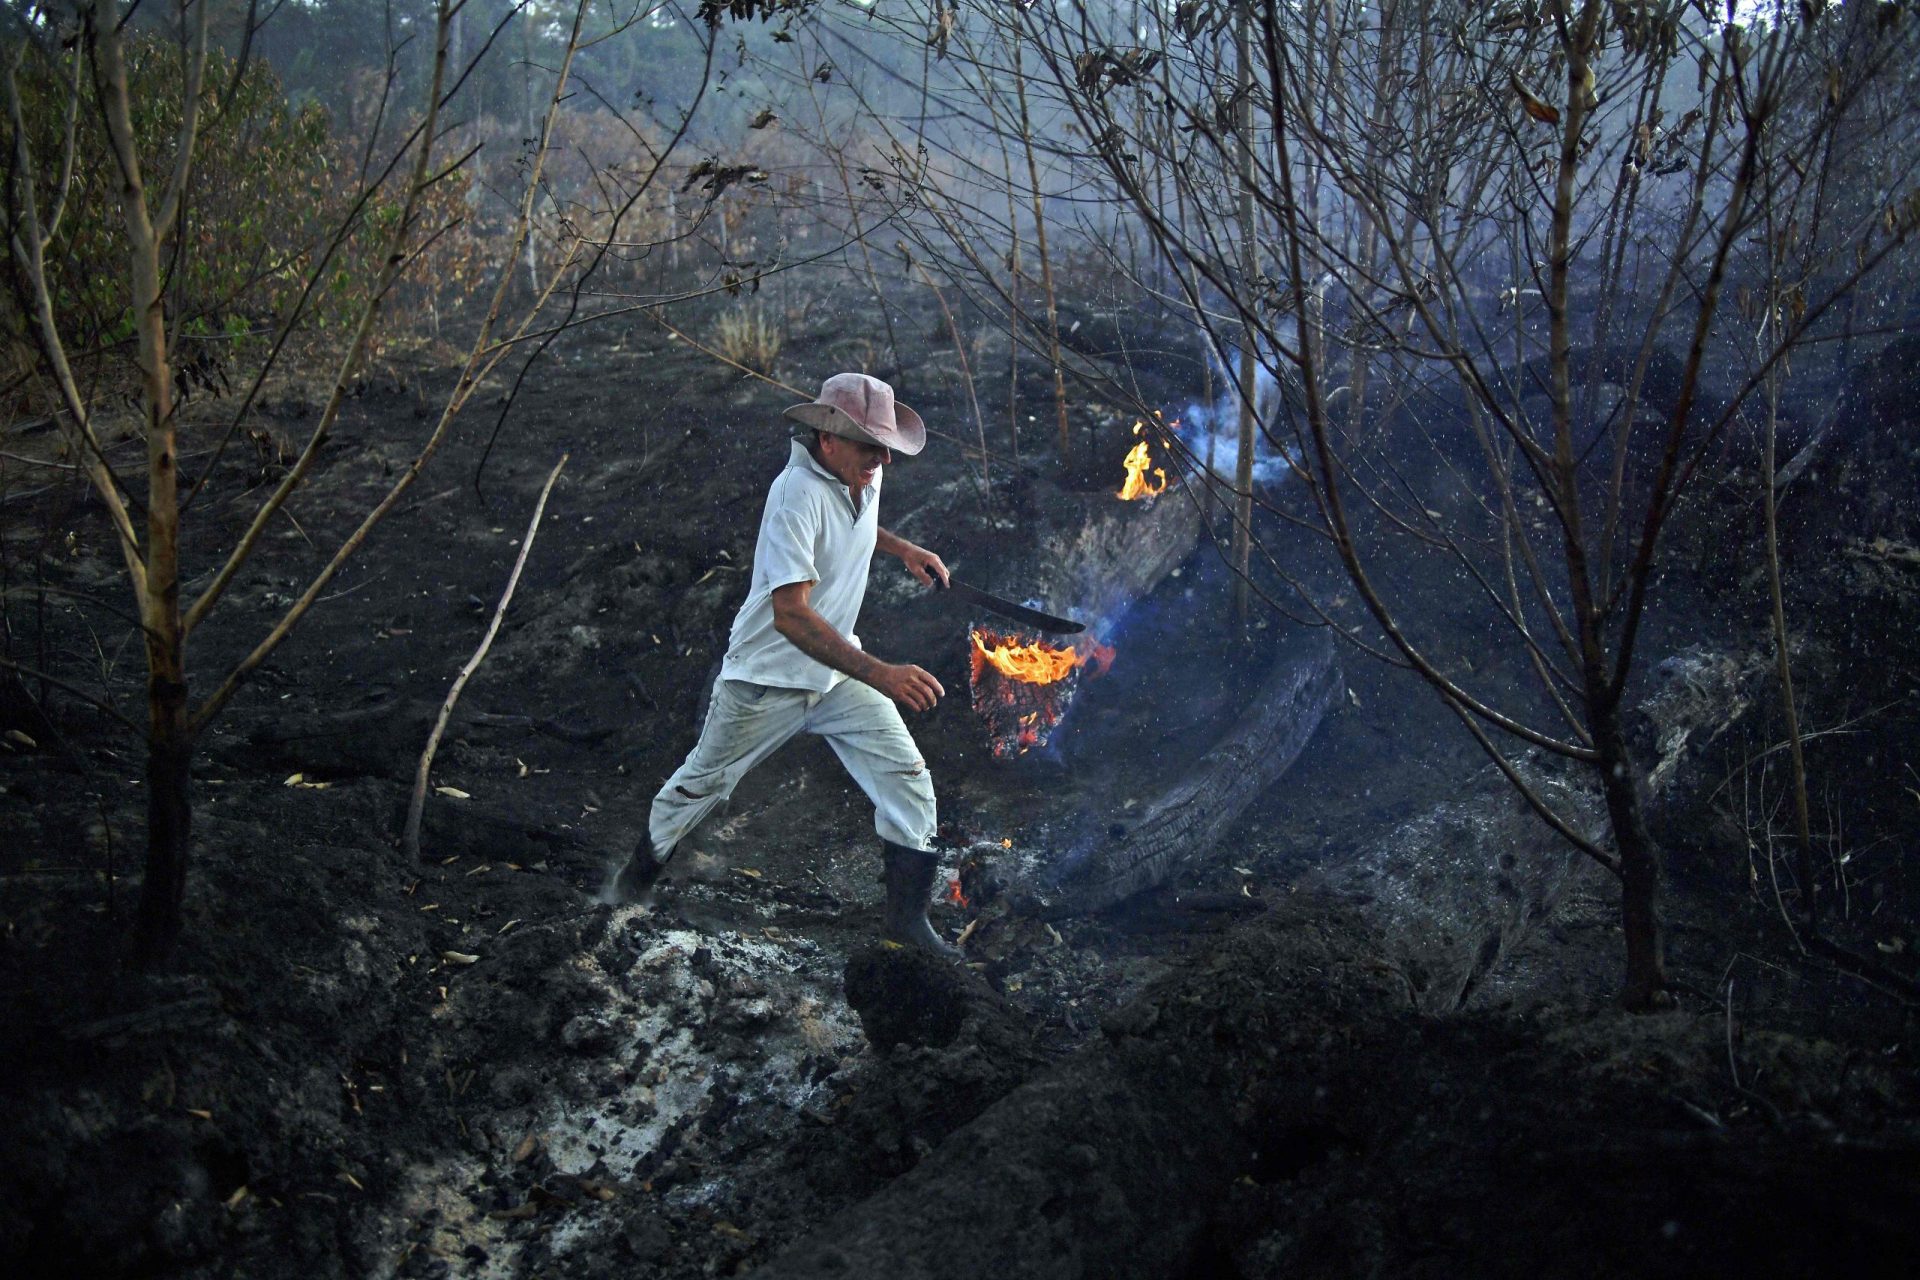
pixel 862 408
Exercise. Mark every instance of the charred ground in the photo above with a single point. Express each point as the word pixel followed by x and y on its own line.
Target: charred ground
pixel 359 1066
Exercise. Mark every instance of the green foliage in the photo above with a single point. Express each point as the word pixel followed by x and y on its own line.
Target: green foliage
pixel 263 195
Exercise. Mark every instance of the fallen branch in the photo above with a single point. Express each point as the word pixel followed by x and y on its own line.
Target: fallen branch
pixel 540 724
pixel 1870 971
pixel 410 838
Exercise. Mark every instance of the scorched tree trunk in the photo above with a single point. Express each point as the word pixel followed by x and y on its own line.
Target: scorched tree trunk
pixel 1639 864
pixel 169 824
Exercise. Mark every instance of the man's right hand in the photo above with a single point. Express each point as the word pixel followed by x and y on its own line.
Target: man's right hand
pixel 912 687
pixel 795 618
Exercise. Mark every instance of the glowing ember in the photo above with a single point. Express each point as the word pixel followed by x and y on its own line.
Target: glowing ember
pixel 1022 685
pixel 954 894
pixel 1137 461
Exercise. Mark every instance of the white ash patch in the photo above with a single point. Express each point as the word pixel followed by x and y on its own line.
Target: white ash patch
pixel 689 1020
pixel 767 1009
pixel 1013 863
pixel 432 1192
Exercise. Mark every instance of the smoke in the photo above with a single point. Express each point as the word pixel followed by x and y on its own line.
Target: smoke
pixel 1212 431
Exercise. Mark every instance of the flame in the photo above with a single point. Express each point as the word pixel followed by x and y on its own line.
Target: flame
pixel 1036 663
pixel 1137 461
pixel 1022 684
pixel 954 895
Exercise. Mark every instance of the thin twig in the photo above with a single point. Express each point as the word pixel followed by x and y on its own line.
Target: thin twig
pixel 1733 1063
pixel 73 690
pixel 410 838
pixel 38 462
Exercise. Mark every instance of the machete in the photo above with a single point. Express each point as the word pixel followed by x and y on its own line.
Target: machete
pixel 1008 609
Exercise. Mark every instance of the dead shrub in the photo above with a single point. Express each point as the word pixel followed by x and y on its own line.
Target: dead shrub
pixel 748 337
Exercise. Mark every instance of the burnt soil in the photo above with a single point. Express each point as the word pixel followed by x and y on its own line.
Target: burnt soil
pixel 477 1066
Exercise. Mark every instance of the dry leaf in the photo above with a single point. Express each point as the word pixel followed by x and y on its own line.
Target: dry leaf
pixel 459 957
pixel 239 1195
pixel 1545 112
pixel 528 1145
pixel 526 1209
pixel 14 735
pixel 204 1115
pixel 453 793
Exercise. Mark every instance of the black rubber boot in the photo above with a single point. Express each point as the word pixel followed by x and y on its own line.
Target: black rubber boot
pixel 641 873
pixel 908 875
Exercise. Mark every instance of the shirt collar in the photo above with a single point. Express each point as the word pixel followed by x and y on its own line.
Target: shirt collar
pixel 803 457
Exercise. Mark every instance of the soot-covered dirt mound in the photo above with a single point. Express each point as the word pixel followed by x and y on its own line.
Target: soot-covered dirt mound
pixel 473 1066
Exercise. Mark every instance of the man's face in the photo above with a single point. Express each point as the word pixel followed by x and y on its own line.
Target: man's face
pixel 856 464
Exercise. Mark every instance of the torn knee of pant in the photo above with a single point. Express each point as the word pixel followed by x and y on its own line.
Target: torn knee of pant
pixel 692 795
pixel 919 770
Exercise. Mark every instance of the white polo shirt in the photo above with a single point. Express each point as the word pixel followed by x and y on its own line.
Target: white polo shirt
pixel 809 532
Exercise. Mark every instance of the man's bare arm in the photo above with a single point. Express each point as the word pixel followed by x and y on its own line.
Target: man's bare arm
pixel 795 618
pixel 920 562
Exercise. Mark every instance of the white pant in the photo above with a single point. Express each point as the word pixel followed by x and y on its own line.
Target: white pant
pixel 747 722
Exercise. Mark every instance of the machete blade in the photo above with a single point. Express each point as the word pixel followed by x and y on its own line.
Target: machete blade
pixel 1018 612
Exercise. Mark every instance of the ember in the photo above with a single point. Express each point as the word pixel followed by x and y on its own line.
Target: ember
pixel 1137 461
pixel 1022 686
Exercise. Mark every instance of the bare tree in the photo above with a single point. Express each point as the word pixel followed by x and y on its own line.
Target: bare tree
pixel 91 44
pixel 1532 217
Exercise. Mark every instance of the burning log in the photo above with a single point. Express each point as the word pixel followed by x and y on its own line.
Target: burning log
pixel 1022 685
pixel 1092 556
pixel 1113 860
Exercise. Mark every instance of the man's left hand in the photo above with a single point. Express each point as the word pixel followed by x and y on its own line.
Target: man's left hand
pixel 923 564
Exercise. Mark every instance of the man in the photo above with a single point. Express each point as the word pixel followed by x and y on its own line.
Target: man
pixel 794 662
